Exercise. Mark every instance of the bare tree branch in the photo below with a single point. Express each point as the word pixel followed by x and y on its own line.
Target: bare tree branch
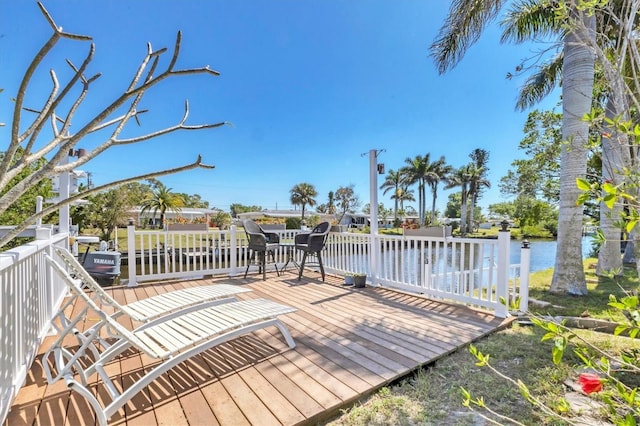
pixel 63 141
pixel 53 208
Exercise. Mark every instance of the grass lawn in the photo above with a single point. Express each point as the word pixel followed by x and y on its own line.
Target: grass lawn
pixel 432 395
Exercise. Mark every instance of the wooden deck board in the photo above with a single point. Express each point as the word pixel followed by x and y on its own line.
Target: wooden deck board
pixel 350 342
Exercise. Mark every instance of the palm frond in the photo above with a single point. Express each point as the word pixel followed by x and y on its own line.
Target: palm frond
pixel 529 19
pixel 540 83
pixel 462 27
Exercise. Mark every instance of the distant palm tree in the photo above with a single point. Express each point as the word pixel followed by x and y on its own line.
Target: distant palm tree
pixel 477 181
pixel 415 171
pixel 461 178
pixel 436 172
pixel 393 182
pixel 161 200
pixel 303 194
pixel 404 194
pixel 331 203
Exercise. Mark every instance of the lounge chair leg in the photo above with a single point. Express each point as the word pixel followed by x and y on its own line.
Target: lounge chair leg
pixel 304 258
pixel 320 263
pixel 264 265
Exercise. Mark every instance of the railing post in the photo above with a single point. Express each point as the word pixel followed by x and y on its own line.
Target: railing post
pixel 131 255
pixel 525 266
pixel 502 291
pixel 234 254
pixel 43 233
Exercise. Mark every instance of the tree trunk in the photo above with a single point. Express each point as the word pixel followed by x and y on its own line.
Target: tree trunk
pixel 421 203
pixel 615 156
pixel 463 211
pixel 577 91
pixel 434 194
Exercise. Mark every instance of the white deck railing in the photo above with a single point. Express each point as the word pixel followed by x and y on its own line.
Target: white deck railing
pixel 475 272
pixel 29 297
pixel 470 271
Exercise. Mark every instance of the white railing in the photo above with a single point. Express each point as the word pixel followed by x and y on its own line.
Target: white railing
pixel 29 297
pixel 154 255
pixel 470 271
pixel 475 272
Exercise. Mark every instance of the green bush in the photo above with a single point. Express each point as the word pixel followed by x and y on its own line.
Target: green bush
pixel 293 222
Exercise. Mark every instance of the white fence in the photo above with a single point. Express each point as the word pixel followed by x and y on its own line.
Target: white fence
pixel 29 297
pixel 471 271
pixel 475 272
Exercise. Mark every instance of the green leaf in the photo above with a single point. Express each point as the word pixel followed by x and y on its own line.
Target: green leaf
pixel 583 184
pixel 619 329
pixel 610 200
pixel 548 336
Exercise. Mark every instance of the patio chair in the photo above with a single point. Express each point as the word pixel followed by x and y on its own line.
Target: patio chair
pixel 264 244
pixel 152 307
pixel 312 244
pixel 172 340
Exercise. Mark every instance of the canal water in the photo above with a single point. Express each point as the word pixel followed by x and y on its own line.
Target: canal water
pixel 543 252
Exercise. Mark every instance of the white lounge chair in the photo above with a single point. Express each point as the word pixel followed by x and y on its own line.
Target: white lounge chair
pixel 153 307
pixel 172 339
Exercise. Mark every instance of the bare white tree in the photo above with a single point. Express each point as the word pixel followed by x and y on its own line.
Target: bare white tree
pixel 26 147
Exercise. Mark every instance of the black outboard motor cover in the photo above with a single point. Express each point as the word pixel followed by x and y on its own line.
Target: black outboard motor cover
pixel 102 264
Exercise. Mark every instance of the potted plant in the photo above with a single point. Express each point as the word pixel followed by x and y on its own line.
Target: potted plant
pixel 356 279
pixel 359 280
pixel 348 279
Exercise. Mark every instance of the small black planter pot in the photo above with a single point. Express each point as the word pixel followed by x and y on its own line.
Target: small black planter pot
pixel 359 281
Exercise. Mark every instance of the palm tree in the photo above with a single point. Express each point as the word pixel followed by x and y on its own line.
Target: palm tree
pixel 331 203
pixel 477 181
pixel 478 177
pixel 463 26
pixel 404 194
pixel 415 172
pixel 436 172
pixel 161 200
pixel 303 194
pixel 393 181
pixel 461 178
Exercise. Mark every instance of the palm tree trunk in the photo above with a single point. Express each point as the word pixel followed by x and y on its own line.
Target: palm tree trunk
pixel 421 202
pixel 577 91
pixel 463 212
pixel 472 206
pixel 615 156
pixel 433 205
pixel 395 208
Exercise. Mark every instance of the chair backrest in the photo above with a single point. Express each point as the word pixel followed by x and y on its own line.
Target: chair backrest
pixel 77 288
pixel 318 237
pixel 257 238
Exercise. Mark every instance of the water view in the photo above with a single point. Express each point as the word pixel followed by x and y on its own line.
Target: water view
pixel 543 252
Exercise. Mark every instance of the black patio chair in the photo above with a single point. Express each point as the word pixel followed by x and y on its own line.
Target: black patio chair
pixel 263 243
pixel 312 244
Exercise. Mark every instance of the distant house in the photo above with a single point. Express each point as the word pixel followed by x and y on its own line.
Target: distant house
pixel 283 214
pixel 148 220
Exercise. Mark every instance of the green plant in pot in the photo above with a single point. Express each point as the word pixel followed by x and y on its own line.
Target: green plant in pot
pixel 356 279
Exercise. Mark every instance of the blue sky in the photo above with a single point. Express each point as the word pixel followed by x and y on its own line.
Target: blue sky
pixel 309 85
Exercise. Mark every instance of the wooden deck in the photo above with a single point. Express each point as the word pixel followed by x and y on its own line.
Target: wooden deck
pixel 350 342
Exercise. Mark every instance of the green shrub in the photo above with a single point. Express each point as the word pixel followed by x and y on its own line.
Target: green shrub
pixel 293 222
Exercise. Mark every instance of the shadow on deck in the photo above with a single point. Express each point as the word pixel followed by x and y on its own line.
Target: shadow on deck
pixel 350 342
